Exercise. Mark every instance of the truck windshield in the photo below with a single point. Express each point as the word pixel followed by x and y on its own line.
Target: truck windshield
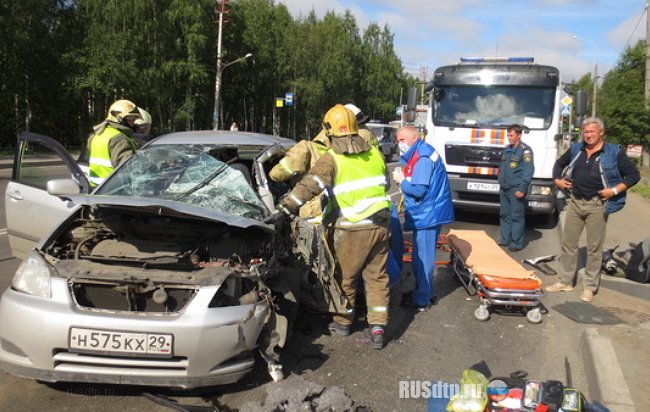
pixel 493 106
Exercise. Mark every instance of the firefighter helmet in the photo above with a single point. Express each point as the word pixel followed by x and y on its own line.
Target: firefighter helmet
pixel 340 122
pixel 143 124
pixel 361 117
pixel 121 109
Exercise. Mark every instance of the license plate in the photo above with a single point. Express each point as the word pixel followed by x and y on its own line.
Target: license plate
pixel 483 187
pixel 110 341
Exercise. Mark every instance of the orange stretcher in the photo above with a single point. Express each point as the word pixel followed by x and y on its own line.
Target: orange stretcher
pixel 486 270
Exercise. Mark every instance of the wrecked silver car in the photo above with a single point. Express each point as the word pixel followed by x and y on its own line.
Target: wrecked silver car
pixel 174 272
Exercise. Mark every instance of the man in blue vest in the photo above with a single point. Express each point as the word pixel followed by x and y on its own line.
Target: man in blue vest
pixel 428 205
pixel 515 173
pixel 112 141
pixel 354 172
pixel 597 173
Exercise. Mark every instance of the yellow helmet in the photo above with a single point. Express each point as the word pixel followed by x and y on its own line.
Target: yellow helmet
pixel 122 109
pixel 340 121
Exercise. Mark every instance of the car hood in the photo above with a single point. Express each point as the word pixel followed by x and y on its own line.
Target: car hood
pixel 168 208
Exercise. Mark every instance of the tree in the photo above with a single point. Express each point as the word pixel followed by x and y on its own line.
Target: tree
pixel 622 100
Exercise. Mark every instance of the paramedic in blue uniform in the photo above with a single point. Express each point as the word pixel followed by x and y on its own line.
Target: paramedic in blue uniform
pixel 427 199
pixel 515 173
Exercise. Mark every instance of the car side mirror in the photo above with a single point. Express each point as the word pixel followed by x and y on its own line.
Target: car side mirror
pixel 63 187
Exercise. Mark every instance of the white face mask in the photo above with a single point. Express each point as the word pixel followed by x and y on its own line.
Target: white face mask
pixel 403 147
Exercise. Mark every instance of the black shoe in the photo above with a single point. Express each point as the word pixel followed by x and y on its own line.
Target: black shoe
pixel 377 337
pixel 407 302
pixel 338 328
pixel 514 249
pixel 500 243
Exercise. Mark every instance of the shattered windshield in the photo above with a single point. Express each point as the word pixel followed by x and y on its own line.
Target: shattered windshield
pixel 189 174
pixel 494 106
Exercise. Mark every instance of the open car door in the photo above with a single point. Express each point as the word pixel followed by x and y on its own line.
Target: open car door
pixel 31 212
pixel 311 263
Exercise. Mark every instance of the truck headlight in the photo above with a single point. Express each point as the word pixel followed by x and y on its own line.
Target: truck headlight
pixel 33 276
pixel 541 190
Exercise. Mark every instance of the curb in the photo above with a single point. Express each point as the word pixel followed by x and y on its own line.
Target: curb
pixel 603 372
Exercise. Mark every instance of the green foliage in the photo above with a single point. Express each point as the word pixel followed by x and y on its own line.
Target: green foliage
pixel 65 61
pixel 622 100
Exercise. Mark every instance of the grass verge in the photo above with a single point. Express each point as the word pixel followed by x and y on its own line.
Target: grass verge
pixel 643 187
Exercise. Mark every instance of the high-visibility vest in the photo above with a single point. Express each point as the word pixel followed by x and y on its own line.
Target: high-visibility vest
pixel 360 185
pixel 99 162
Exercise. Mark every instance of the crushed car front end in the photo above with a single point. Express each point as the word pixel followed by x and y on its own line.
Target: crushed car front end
pixel 140 292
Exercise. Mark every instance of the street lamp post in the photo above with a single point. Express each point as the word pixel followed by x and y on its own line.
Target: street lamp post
pixel 217 87
pixel 595 79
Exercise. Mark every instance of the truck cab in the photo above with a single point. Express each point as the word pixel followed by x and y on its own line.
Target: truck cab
pixel 472 103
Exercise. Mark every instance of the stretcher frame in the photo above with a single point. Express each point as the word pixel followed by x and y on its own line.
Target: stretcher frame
pixel 495 292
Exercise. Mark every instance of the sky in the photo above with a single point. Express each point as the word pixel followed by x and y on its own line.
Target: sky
pixel 573 35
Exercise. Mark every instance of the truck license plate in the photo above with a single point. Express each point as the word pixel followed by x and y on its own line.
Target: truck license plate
pixel 483 187
pixel 108 341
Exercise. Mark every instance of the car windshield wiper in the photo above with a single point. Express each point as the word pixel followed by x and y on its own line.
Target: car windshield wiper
pixel 202 183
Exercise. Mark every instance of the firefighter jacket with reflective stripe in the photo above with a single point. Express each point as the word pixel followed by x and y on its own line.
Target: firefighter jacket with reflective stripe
pixel 360 184
pixel 357 181
pixel 101 147
pixel 299 159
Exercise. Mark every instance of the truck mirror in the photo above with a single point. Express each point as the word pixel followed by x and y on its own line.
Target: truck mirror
pixel 412 99
pixel 581 103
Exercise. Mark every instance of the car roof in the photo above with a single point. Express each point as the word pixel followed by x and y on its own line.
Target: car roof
pixel 222 137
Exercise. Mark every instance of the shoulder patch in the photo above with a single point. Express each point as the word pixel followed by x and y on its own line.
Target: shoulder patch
pixel 528 157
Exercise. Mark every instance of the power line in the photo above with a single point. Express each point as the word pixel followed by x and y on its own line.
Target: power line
pixel 645 9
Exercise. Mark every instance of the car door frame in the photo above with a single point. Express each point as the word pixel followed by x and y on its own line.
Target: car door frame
pixel 22 198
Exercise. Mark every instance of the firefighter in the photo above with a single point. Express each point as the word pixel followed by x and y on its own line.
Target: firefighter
pixel 362 119
pixel 112 141
pixel 355 173
pixel 297 161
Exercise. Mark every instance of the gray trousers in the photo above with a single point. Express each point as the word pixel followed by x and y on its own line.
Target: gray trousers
pixel 581 214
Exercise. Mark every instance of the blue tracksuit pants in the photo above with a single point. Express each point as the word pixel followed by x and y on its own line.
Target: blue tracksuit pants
pixel 423 264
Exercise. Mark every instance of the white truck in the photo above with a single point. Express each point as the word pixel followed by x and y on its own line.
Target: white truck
pixel 471 105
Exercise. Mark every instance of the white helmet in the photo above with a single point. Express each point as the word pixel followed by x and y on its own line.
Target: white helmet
pixel 143 124
pixel 361 117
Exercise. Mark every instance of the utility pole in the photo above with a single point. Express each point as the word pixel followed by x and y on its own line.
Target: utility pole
pixel 221 8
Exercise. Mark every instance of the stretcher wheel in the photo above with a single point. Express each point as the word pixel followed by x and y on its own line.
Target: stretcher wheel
pixel 482 313
pixel 534 315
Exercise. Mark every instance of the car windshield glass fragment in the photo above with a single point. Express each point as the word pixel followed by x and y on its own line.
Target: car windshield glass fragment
pixel 189 174
pixel 494 106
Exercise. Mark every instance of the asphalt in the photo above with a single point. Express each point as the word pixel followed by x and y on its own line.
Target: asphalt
pixel 615 356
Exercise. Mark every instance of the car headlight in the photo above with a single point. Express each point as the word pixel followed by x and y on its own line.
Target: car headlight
pixel 34 275
pixel 541 190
